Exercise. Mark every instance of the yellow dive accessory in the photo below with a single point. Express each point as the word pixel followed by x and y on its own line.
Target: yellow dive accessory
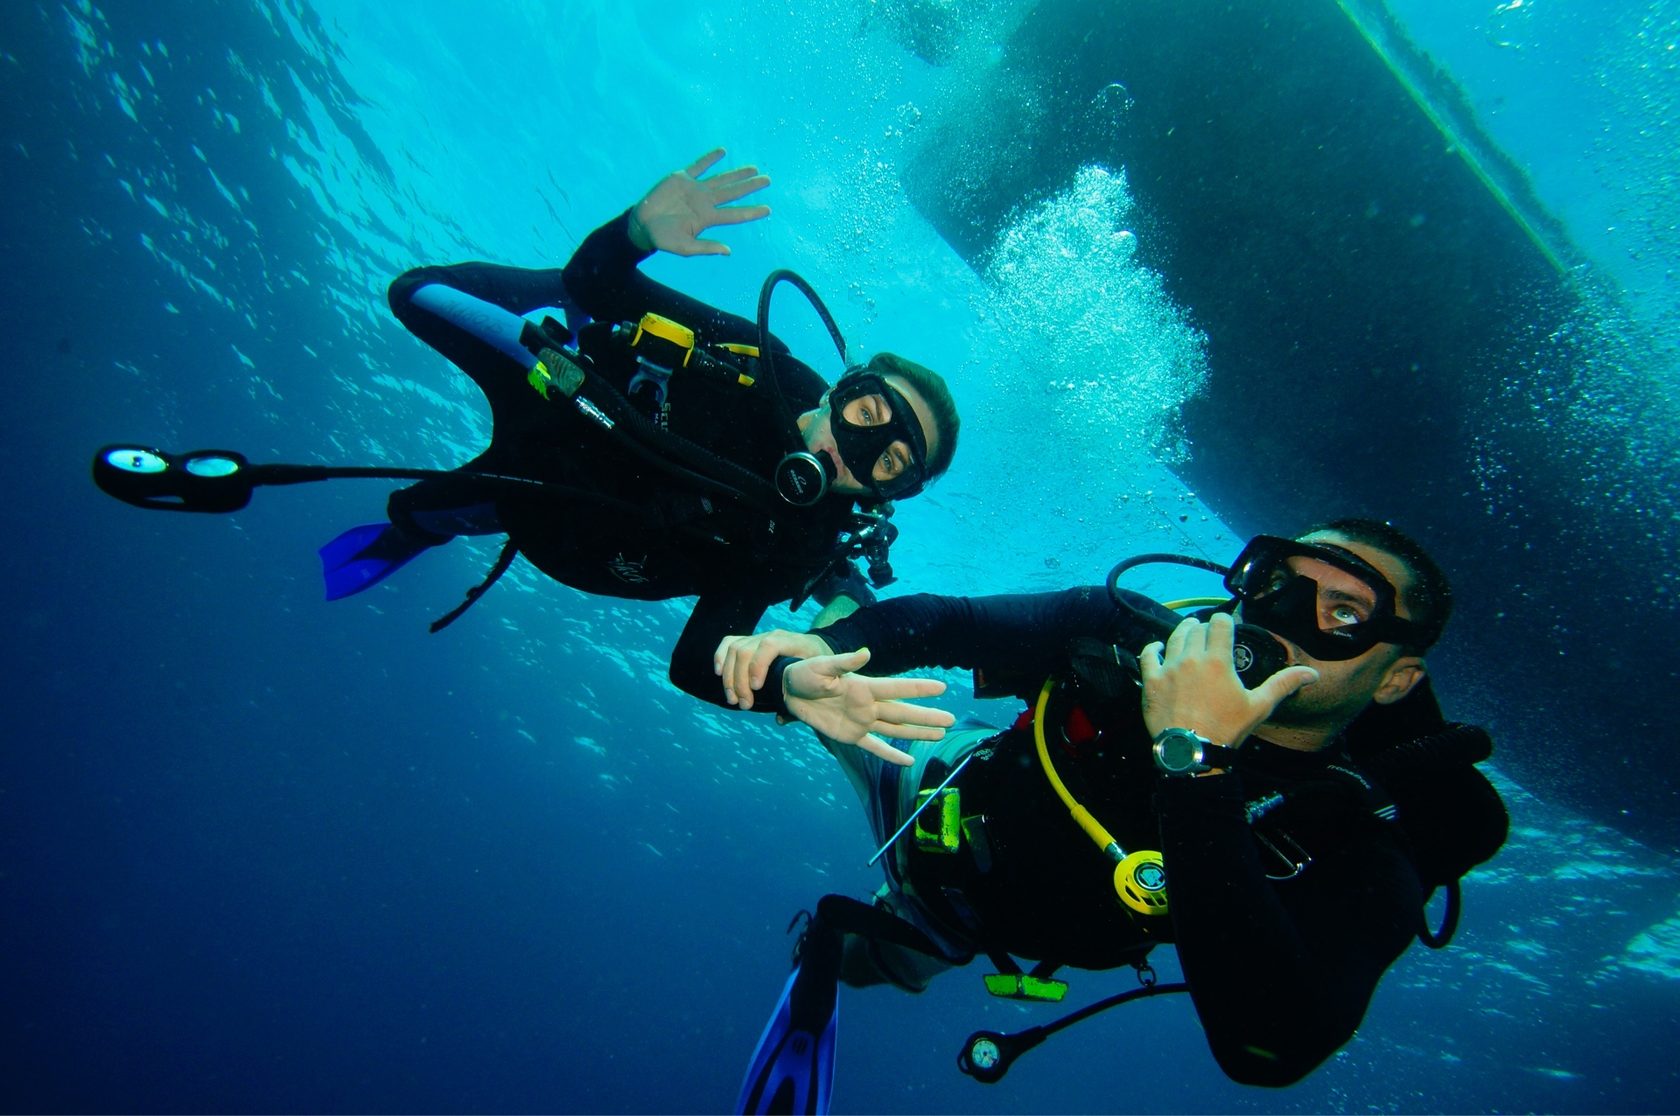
pixel 1140 878
pixel 662 346
pixel 1195 602
pixel 736 347
pixel 657 328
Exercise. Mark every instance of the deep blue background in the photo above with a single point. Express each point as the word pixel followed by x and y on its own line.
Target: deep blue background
pixel 258 853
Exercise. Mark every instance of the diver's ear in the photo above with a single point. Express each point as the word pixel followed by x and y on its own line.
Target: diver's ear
pixel 1402 678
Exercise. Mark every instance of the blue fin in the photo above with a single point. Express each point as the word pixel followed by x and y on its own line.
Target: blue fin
pixel 793 1068
pixel 364 556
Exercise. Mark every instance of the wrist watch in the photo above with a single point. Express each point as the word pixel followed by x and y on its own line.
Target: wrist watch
pixel 1178 751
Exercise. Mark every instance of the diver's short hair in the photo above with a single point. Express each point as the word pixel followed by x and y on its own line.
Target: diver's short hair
pixel 1429 596
pixel 931 386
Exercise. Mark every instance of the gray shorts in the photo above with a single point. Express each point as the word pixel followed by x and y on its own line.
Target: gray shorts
pixel 888 792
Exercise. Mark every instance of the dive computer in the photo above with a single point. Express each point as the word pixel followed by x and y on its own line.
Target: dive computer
pixel 1178 751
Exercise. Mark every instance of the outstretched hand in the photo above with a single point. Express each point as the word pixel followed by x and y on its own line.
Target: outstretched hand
pixel 680 207
pixel 825 693
pixel 1191 682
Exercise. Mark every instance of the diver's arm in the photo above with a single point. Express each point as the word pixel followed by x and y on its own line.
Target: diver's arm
pixel 604 275
pixel 743 663
pixel 1017 636
pixel 682 205
pixel 827 694
pixel 715 616
pixel 1021 633
pixel 603 280
pixel 604 272
pixel 1279 986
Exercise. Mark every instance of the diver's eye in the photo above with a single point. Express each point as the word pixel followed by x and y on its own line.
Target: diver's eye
pixel 1341 615
pixel 893 462
pixel 871 410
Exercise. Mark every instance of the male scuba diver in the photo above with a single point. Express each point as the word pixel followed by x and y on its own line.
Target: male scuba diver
pixel 651 447
pixel 1269 786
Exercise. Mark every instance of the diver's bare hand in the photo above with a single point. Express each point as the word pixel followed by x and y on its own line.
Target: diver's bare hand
pixel 681 206
pixel 743 662
pixel 825 693
pixel 1192 683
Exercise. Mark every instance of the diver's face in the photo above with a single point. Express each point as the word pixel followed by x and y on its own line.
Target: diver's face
pixel 1382 674
pixel 868 410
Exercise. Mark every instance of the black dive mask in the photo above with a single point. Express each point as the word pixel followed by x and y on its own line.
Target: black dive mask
pixel 861 447
pixel 1329 626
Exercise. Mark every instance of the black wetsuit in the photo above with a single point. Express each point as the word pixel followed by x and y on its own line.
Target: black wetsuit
pixel 641 533
pixel 1280 970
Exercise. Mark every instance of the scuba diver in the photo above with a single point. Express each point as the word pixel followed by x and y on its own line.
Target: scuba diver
pixel 650 447
pixel 1268 785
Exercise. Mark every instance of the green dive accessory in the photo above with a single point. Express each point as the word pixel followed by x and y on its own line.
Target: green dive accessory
pixel 923 799
pixel 939 830
pixel 1026 986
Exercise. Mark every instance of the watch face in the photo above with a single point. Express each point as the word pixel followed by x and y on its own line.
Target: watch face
pixel 1178 751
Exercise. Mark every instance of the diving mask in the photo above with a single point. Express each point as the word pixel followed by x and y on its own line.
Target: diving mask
pixel 1329 624
pixel 862 447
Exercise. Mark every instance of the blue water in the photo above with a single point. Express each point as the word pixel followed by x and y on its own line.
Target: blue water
pixel 259 853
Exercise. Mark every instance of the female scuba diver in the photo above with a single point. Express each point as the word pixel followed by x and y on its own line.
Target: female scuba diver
pixel 651 447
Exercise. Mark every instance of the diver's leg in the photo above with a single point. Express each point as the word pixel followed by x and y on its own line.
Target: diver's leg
pixel 872 959
pixel 419 517
pixel 365 555
pixel 911 959
pixel 436 510
pixel 792 1068
pixel 889 942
